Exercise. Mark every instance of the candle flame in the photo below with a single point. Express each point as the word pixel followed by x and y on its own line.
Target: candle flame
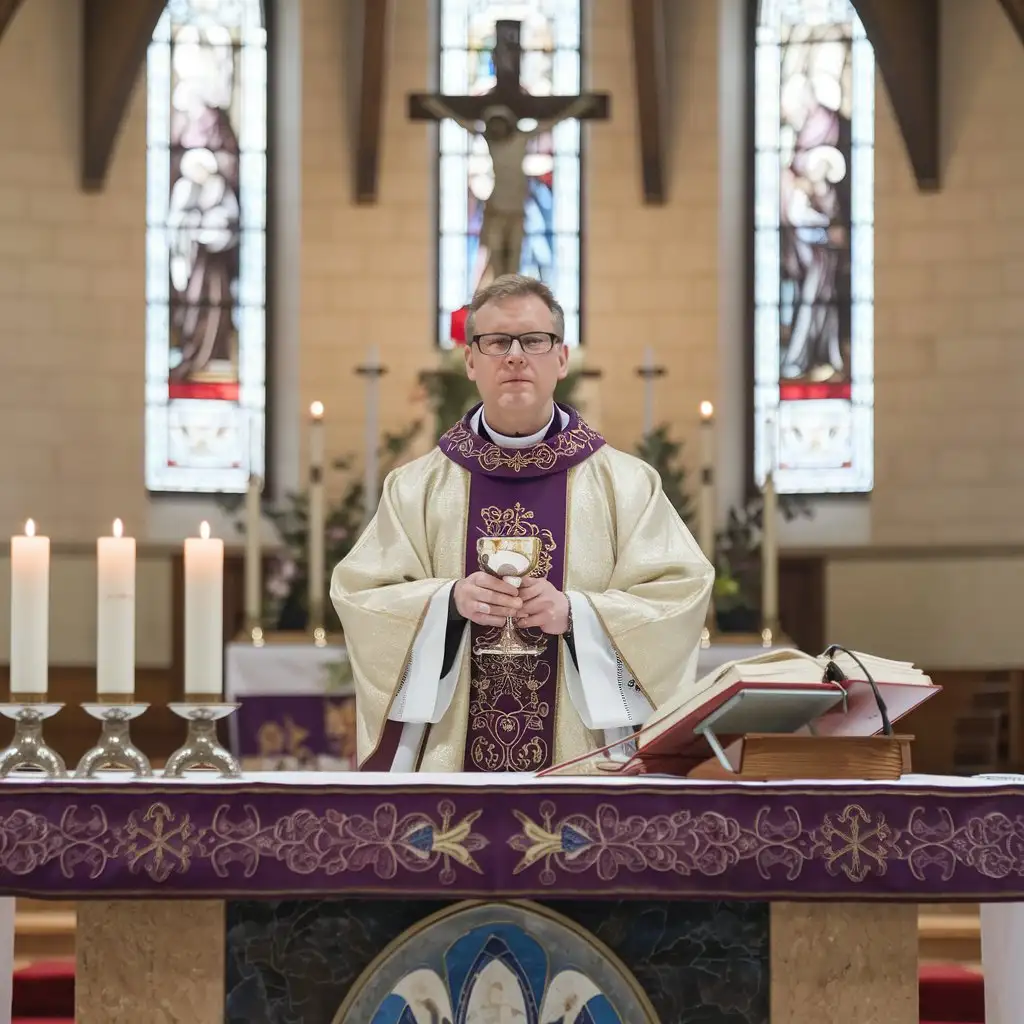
pixel 118 529
pixel 30 528
pixel 316 410
pixel 204 530
pixel 707 410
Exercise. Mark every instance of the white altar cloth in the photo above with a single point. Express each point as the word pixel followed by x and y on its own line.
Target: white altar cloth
pixel 429 780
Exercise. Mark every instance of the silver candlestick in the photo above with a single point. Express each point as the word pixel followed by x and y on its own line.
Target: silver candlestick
pixel 114 748
pixel 201 748
pixel 28 749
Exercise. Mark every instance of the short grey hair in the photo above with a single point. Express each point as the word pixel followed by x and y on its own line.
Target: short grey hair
pixel 515 286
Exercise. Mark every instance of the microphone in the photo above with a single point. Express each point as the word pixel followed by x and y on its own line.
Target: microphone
pixel 834 674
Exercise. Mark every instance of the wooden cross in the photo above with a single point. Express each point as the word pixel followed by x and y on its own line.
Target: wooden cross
pixel 508 92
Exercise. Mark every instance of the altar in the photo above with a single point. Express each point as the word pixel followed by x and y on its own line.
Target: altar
pixel 296 705
pixel 363 898
pixel 297 701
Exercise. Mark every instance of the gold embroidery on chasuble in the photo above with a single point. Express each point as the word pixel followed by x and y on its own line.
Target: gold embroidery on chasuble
pixel 511 696
pixel 517 492
pixel 519 522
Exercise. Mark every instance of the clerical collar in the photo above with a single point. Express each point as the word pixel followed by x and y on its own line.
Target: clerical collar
pixel 482 427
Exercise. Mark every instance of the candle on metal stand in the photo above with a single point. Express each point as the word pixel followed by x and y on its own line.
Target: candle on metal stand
pixel 115 616
pixel 30 615
pixel 770 544
pixel 706 513
pixel 204 616
pixel 317 517
pixel 253 555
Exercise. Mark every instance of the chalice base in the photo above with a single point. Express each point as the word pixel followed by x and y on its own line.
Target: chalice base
pixel 510 644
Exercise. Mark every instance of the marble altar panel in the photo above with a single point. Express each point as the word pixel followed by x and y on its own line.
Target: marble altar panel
pixel 621 961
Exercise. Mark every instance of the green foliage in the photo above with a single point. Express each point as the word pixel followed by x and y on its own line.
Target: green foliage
pixel 659 451
pixel 286 594
pixel 738 551
pixel 738 545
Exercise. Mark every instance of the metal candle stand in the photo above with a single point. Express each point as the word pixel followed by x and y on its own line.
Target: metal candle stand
pixel 28 749
pixel 201 748
pixel 114 748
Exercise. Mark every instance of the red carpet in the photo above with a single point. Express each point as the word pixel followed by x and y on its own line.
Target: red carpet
pixel 950 994
pixel 44 993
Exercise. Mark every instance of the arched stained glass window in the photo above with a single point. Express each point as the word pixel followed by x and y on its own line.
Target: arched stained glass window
pixel 551 59
pixel 206 211
pixel 814 118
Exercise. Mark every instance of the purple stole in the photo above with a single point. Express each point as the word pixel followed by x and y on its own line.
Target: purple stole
pixel 516 492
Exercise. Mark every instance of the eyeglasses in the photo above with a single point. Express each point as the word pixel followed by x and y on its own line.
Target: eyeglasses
pixel 535 343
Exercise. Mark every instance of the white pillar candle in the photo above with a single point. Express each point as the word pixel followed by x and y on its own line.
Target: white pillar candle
pixel 317 516
pixel 115 613
pixel 770 542
pixel 204 615
pixel 706 508
pixel 253 554
pixel 30 612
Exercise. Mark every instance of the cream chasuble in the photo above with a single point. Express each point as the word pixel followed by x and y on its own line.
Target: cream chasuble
pixel 637 583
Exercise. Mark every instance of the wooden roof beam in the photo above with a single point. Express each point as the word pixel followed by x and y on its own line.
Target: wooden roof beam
pixel 905 38
pixel 1015 12
pixel 8 9
pixel 369 26
pixel 115 38
pixel 650 62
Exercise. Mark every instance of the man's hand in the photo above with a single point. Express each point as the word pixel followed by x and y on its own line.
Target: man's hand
pixel 486 600
pixel 544 606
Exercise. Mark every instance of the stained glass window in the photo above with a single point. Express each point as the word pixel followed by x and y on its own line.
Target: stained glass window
pixel 550 39
pixel 814 248
pixel 206 215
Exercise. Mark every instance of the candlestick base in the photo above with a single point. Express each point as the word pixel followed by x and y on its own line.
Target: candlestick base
pixel 28 749
pixel 114 748
pixel 201 748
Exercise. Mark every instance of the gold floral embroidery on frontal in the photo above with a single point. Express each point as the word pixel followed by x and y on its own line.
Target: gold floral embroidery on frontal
pixel 518 521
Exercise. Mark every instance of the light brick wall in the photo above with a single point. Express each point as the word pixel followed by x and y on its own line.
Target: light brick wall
pixel 651 271
pixel 949 315
pixel 72 294
pixel 366 271
pixel 949 311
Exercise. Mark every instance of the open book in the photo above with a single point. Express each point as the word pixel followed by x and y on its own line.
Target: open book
pixel 780 691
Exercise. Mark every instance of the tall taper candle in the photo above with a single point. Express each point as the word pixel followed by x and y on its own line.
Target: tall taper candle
pixel 770 542
pixel 253 554
pixel 115 614
pixel 317 516
pixel 204 616
pixel 706 513
pixel 30 613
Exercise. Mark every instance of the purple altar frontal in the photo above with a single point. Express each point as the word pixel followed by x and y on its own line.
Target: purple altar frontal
pixel 298 834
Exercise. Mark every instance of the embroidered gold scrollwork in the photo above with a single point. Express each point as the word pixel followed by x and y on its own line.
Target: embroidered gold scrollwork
pixel 518 521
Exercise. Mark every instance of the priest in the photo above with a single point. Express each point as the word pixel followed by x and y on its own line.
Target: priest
pixel 613 610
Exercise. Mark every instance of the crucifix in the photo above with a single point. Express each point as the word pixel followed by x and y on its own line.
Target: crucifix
pixel 500 111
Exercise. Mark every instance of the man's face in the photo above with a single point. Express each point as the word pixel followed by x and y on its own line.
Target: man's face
pixel 515 384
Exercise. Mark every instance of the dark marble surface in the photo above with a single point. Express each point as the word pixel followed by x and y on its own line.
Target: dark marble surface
pixel 699 963
pixel 292 962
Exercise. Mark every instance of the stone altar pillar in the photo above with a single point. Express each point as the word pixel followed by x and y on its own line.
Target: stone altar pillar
pixel 161 961
pixel 835 963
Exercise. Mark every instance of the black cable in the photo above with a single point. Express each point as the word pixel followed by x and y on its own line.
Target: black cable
pixel 833 673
